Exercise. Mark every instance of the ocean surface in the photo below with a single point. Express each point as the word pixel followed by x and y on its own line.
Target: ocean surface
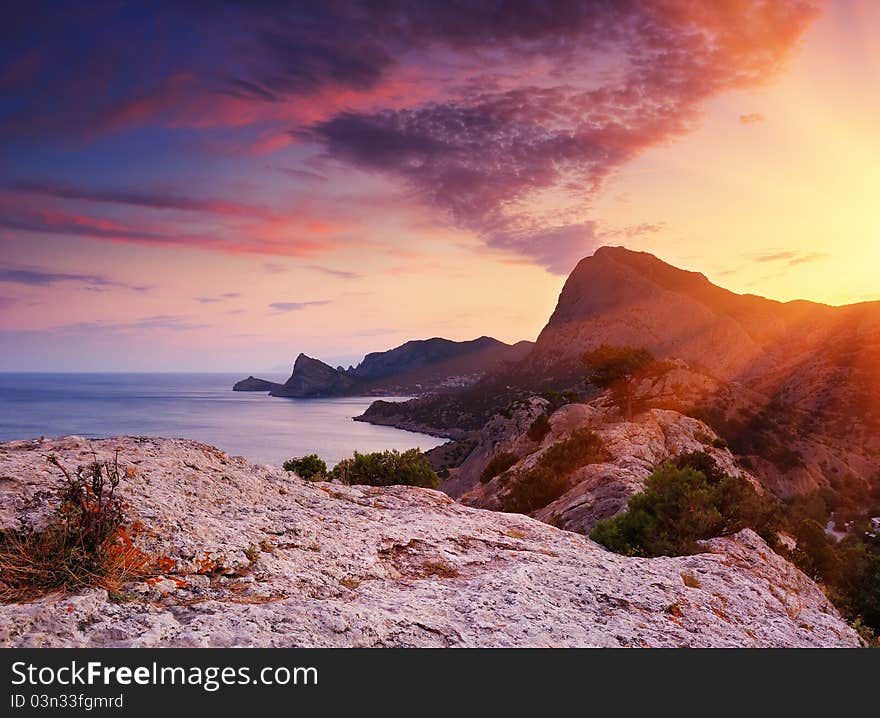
pixel 261 428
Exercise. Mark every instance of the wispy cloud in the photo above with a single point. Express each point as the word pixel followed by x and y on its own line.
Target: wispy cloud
pixel 306 175
pixel 751 118
pixel 43 278
pixel 791 257
pixel 635 230
pixel 220 298
pixel 340 274
pixel 140 198
pixel 296 306
pixel 293 235
pixel 161 322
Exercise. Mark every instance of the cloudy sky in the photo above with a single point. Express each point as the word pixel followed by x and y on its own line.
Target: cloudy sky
pixel 220 185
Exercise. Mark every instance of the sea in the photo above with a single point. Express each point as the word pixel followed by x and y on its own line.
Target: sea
pixel 263 429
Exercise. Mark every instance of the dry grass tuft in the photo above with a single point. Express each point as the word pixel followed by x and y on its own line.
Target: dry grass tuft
pixel 86 544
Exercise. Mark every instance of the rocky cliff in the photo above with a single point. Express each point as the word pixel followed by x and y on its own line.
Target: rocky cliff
pixel 314 378
pixel 595 490
pixel 617 296
pixel 270 560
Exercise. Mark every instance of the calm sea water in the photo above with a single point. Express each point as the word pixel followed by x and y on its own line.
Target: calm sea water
pixel 197 406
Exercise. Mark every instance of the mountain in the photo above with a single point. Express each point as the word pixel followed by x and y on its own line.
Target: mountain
pixel 415 367
pixel 794 387
pixel 618 296
pixel 798 382
pixel 437 358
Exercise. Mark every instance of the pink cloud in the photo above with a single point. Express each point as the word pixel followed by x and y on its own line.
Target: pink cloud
pixel 751 118
pixel 295 234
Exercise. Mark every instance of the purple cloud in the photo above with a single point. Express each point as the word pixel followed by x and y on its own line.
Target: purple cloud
pixel 485 151
pixel 476 108
pixel 338 273
pixel 139 198
pixel 153 323
pixel 296 306
pixel 221 298
pixel 41 278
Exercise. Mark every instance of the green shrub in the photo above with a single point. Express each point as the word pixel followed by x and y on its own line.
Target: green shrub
pixel 557 399
pixel 547 480
pixel 498 464
pixel 310 468
pixel 387 468
pixel 581 448
pixel 689 498
pixel 533 490
pixel 681 505
pixel 539 428
pixel 702 462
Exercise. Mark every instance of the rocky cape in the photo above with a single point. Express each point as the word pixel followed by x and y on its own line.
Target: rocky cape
pixel 270 560
pixel 415 367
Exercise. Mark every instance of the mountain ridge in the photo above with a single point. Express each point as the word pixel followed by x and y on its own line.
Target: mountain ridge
pixel 416 366
pixel 793 386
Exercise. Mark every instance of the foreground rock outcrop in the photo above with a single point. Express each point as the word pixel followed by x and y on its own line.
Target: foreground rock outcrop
pixel 253 556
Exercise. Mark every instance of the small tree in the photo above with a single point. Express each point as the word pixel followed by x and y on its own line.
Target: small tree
pixel 681 505
pixel 615 368
pixel 539 428
pixel 498 464
pixel 309 468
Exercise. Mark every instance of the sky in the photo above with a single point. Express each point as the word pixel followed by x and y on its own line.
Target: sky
pixel 218 186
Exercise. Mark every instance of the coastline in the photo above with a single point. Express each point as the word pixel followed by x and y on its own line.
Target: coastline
pixel 413 427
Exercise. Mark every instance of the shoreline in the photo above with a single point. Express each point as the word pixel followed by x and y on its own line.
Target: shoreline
pixel 413 427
